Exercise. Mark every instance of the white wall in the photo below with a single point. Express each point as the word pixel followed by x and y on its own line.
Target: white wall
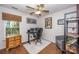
pixel 50 34
pixel 23 25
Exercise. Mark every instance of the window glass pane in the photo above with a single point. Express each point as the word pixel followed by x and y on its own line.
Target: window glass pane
pixel 12 28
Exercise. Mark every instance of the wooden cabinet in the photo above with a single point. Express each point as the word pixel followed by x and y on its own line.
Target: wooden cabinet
pixel 12 42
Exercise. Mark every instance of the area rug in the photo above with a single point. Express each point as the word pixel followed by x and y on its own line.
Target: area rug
pixel 36 48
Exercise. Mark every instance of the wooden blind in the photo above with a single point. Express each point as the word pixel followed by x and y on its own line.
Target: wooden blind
pixel 11 17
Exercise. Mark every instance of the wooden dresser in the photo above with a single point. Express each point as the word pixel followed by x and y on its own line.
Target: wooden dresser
pixel 13 42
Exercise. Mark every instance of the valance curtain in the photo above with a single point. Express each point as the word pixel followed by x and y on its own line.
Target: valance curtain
pixel 11 17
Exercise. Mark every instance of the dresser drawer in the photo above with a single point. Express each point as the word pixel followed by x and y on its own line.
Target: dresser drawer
pixel 11 39
pixel 11 42
pixel 18 43
pixel 18 40
pixel 17 37
pixel 11 46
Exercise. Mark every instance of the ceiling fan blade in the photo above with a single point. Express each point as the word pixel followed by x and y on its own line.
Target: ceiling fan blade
pixel 42 5
pixel 30 7
pixel 32 13
pixel 47 11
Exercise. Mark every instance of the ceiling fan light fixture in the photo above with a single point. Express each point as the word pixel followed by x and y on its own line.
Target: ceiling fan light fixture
pixel 38 12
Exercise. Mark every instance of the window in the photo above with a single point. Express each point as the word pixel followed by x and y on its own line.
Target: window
pixel 12 28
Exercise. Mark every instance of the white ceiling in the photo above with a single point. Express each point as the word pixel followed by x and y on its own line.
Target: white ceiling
pixel 51 7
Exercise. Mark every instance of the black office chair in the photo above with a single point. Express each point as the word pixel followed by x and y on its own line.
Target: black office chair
pixel 39 34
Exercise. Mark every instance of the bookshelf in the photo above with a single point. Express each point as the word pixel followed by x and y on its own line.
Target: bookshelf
pixel 71 33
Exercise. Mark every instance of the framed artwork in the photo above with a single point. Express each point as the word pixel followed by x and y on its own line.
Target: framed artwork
pixel 60 22
pixel 31 21
pixel 48 23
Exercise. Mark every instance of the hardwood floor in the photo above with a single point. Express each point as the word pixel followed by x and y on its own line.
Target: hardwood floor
pixel 17 50
pixel 50 49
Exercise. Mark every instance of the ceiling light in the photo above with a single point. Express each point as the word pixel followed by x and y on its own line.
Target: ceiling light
pixel 38 12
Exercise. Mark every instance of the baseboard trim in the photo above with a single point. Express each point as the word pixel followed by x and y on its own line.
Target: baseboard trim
pixel 2 49
pixel 47 40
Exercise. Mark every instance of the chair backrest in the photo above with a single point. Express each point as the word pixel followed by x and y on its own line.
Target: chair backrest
pixel 39 33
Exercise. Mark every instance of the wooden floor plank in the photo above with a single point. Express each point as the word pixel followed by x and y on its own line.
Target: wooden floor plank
pixel 17 50
pixel 50 49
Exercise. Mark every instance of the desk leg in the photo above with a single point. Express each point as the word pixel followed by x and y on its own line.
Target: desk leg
pixel 28 39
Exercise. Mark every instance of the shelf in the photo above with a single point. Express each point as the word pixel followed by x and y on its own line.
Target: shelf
pixel 71 42
pixel 73 18
pixel 72 49
pixel 72 21
pixel 72 27
pixel 74 35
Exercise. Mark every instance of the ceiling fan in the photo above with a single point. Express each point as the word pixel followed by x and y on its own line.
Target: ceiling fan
pixel 39 10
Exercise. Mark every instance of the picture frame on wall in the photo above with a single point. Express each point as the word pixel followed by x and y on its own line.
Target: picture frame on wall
pixel 48 23
pixel 31 21
pixel 60 22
